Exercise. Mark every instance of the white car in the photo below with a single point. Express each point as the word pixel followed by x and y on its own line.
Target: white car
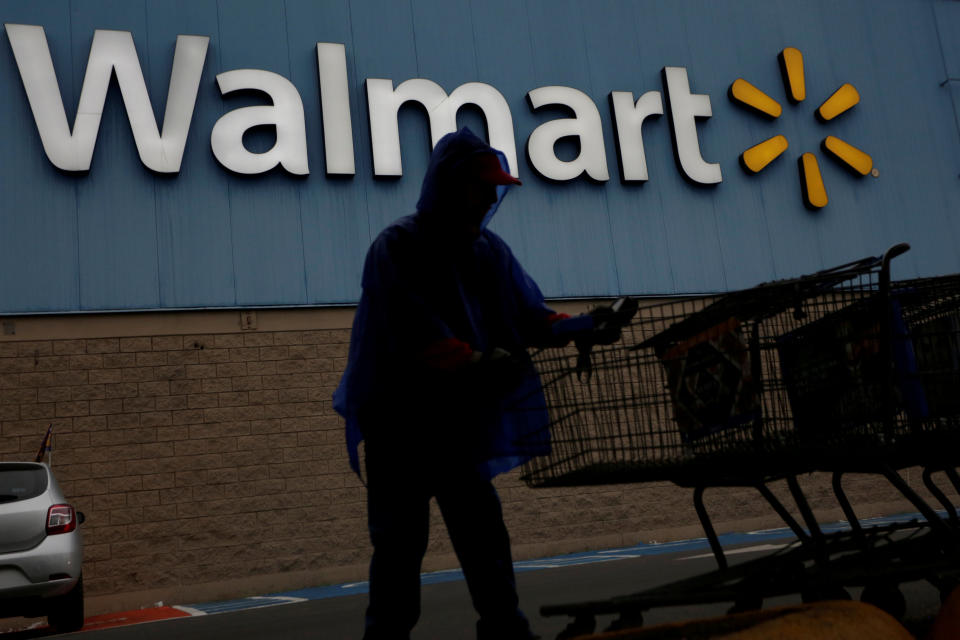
pixel 41 550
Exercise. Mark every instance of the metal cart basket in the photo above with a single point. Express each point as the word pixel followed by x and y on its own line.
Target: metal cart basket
pixel 839 371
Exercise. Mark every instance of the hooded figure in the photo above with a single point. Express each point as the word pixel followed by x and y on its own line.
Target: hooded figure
pixel 440 289
pixel 439 386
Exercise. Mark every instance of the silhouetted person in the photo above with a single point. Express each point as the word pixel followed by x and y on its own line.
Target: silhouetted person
pixel 436 375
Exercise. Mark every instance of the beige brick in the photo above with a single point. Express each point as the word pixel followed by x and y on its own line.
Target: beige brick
pixel 123 436
pixel 49 394
pixel 171 403
pixel 10 412
pixel 64 378
pixel 78 408
pixel 69 347
pixel 138 374
pixel 160 388
pixel 227 340
pixel 139 404
pixel 31 348
pixel 90 423
pixel 221 476
pixel 205 446
pixel 303 352
pixel 123 420
pixel 12 381
pixel 213 356
pixel 173 433
pixel 297 454
pixel 128 484
pixel 286 396
pixel 168 343
pixel 126 515
pixel 151 359
pixel 282 440
pixel 157 450
pixel 246 354
pixel 188 416
pixel 70 441
pixel 19 396
pixel 217 385
pixel 160 513
pixel 258 339
pixel 103 345
pixel 120 390
pixel 95 553
pixel 267 396
pixel 190 356
pixel 88 392
pixel 94 361
pixel 261 368
pixel 198 341
pixel 18 365
pixel 159 481
pixel 234 414
pixel 105 376
pixel 232 370
pixel 110 469
pixel 136 344
pixel 288 337
pixel 191 478
pixel 156 419
pixel 219 430
pixel 106 502
pixel 184 387
pixel 91 487
pixel 275 353
pixel 233 399
pixel 119 360
pixel 266 426
pixel 202 371
pixel 172 372
pixel 202 401
pixel 247 383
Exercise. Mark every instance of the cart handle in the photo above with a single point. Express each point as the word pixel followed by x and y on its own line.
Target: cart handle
pixel 893 252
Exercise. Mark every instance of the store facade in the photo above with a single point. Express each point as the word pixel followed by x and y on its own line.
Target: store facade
pixel 189 189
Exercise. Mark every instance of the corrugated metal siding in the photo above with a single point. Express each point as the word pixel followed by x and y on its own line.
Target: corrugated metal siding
pixel 121 237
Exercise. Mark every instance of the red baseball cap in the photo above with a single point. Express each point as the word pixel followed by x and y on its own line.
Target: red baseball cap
pixel 487 168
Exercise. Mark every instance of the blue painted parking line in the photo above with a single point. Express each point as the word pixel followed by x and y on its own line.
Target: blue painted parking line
pixel 574 559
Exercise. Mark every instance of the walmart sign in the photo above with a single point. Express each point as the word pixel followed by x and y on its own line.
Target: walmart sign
pixel 162 151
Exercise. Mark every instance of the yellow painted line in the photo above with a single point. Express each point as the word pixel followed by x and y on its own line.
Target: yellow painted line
pixel 814 191
pixel 759 156
pixel 793 66
pixel 849 155
pixel 842 99
pixel 745 93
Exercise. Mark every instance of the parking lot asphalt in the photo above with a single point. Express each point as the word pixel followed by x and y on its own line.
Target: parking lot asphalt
pixel 335 612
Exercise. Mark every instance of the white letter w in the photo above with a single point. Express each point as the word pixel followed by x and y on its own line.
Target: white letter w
pixel 111 51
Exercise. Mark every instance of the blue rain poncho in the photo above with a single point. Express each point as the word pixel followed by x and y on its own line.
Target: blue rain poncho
pixel 422 285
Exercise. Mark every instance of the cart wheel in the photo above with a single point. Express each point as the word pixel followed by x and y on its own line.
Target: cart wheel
pixel 581 626
pixel 886 597
pixel 629 619
pixel 824 593
pixel 746 603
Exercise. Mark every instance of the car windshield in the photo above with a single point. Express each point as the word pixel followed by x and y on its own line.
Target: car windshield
pixel 21 482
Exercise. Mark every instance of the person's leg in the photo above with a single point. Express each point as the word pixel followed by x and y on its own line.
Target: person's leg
pixel 471 509
pixel 398 513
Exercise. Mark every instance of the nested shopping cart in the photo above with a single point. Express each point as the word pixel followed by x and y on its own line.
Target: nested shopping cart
pixel 839 371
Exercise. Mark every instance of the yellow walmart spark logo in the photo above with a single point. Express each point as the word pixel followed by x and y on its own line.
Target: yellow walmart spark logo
pixel 757 157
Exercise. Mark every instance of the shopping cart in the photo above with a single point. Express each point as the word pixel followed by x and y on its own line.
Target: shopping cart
pixel 839 371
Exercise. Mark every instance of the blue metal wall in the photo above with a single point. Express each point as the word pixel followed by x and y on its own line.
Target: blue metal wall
pixel 121 237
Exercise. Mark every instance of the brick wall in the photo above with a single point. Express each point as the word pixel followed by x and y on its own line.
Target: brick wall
pixel 212 465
